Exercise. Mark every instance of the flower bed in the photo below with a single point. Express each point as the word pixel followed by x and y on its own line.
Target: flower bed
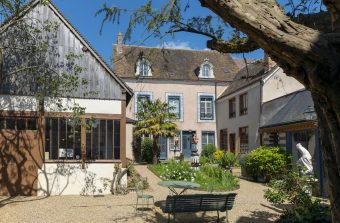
pixel 211 178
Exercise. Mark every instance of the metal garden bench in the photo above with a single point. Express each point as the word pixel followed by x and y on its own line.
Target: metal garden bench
pixel 199 202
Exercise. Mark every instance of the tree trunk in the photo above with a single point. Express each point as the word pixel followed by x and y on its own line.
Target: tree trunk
pixel 155 150
pixel 308 55
pixel 330 129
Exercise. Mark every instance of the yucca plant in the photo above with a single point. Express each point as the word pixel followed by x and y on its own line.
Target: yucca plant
pixel 156 119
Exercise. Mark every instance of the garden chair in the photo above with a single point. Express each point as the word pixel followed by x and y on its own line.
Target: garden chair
pixel 141 196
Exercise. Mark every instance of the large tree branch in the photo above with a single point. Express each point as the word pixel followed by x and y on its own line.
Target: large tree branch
pixel 266 22
pixel 235 45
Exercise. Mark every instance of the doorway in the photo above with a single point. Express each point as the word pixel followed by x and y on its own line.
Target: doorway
pixel 232 140
pixel 186 143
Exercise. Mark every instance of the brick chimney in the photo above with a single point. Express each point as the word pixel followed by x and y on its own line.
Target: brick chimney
pixel 119 43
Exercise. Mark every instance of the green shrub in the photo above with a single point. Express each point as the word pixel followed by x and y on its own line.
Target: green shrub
pixel 146 147
pixel 295 189
pixel 208 150
pixel 315 213
pixel 204 160
pixel 227 160
pixel 214 178
pixel 265 162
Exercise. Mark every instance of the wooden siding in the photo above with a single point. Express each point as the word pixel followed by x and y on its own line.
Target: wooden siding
pixel 69 41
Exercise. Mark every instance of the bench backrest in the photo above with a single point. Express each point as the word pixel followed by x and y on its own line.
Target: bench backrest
pixel 199 202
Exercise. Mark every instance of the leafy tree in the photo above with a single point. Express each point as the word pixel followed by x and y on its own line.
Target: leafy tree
pixel 306 46
pixel 156 119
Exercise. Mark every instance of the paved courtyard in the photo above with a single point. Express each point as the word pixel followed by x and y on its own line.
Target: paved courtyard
pixel 250 206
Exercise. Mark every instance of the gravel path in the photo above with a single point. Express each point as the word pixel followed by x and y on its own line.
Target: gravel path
pixel 250 206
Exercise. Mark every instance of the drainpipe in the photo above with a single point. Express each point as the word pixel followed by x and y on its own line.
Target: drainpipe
pixel 216 143
pixel 261 98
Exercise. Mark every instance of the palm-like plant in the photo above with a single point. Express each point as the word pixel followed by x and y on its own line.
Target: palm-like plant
pixel 155 118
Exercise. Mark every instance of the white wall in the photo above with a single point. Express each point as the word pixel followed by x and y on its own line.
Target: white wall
pixel 279 84
pixel 71 179
pixel 251 119
pixel 92 105
pixel 18 103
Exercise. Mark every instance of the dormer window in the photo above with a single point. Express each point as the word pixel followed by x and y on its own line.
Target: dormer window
pixel 206 70
pixel 143 68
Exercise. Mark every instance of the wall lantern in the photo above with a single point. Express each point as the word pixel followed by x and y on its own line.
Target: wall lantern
pixel 309 113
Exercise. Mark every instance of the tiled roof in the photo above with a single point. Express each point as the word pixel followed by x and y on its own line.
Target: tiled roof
pixel 173 64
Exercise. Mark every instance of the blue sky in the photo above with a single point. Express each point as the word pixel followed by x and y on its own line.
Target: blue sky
pixel 81 13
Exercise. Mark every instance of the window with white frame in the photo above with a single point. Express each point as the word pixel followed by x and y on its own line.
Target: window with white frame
pixel 206 70
pixel 143 68
pixel 208 138
pixel 175 102
pixel 206 107
pixel 140 97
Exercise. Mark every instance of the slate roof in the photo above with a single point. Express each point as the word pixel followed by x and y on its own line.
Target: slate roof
pixel 240 62
pixel 173 64
pixel 285 110
pixel 245 77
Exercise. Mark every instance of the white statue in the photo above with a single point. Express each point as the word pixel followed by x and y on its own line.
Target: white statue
pixel 305 160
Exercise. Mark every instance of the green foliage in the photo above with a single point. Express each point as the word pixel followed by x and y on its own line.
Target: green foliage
pixel 174 171
pixel 155 119
pixel 315 213
pixel 265 162
pixel 134 178
pixel 296 190
pixel 146 147
pixel 208 151
pixel 225 160
pixel 214 178
pixel 209 177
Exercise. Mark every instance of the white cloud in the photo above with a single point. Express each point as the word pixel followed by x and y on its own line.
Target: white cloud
pixel 175 45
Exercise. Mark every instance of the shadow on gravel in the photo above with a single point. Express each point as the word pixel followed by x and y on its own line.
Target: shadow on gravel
pixel 18 199
pixel 258 216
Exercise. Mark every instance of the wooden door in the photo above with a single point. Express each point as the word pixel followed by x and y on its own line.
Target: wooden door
pixel 232 141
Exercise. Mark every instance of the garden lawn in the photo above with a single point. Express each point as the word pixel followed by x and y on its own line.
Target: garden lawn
pixel 210 177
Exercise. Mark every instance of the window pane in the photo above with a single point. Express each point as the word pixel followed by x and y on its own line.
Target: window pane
pixel 70 140
pixel 116 139
pixel 77 142
pixel 89 143
pixel 21 124
pixel 95 141
pixel 2 123
pixel 55 139
pixel 10 123
pixel 206 108
pixel 32 124
pixel 48 138
pixel 110 139
pixel 175 104
pixel 62 139
pixel 102 152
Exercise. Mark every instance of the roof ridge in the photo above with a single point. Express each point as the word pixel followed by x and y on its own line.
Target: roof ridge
pixel 154 47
